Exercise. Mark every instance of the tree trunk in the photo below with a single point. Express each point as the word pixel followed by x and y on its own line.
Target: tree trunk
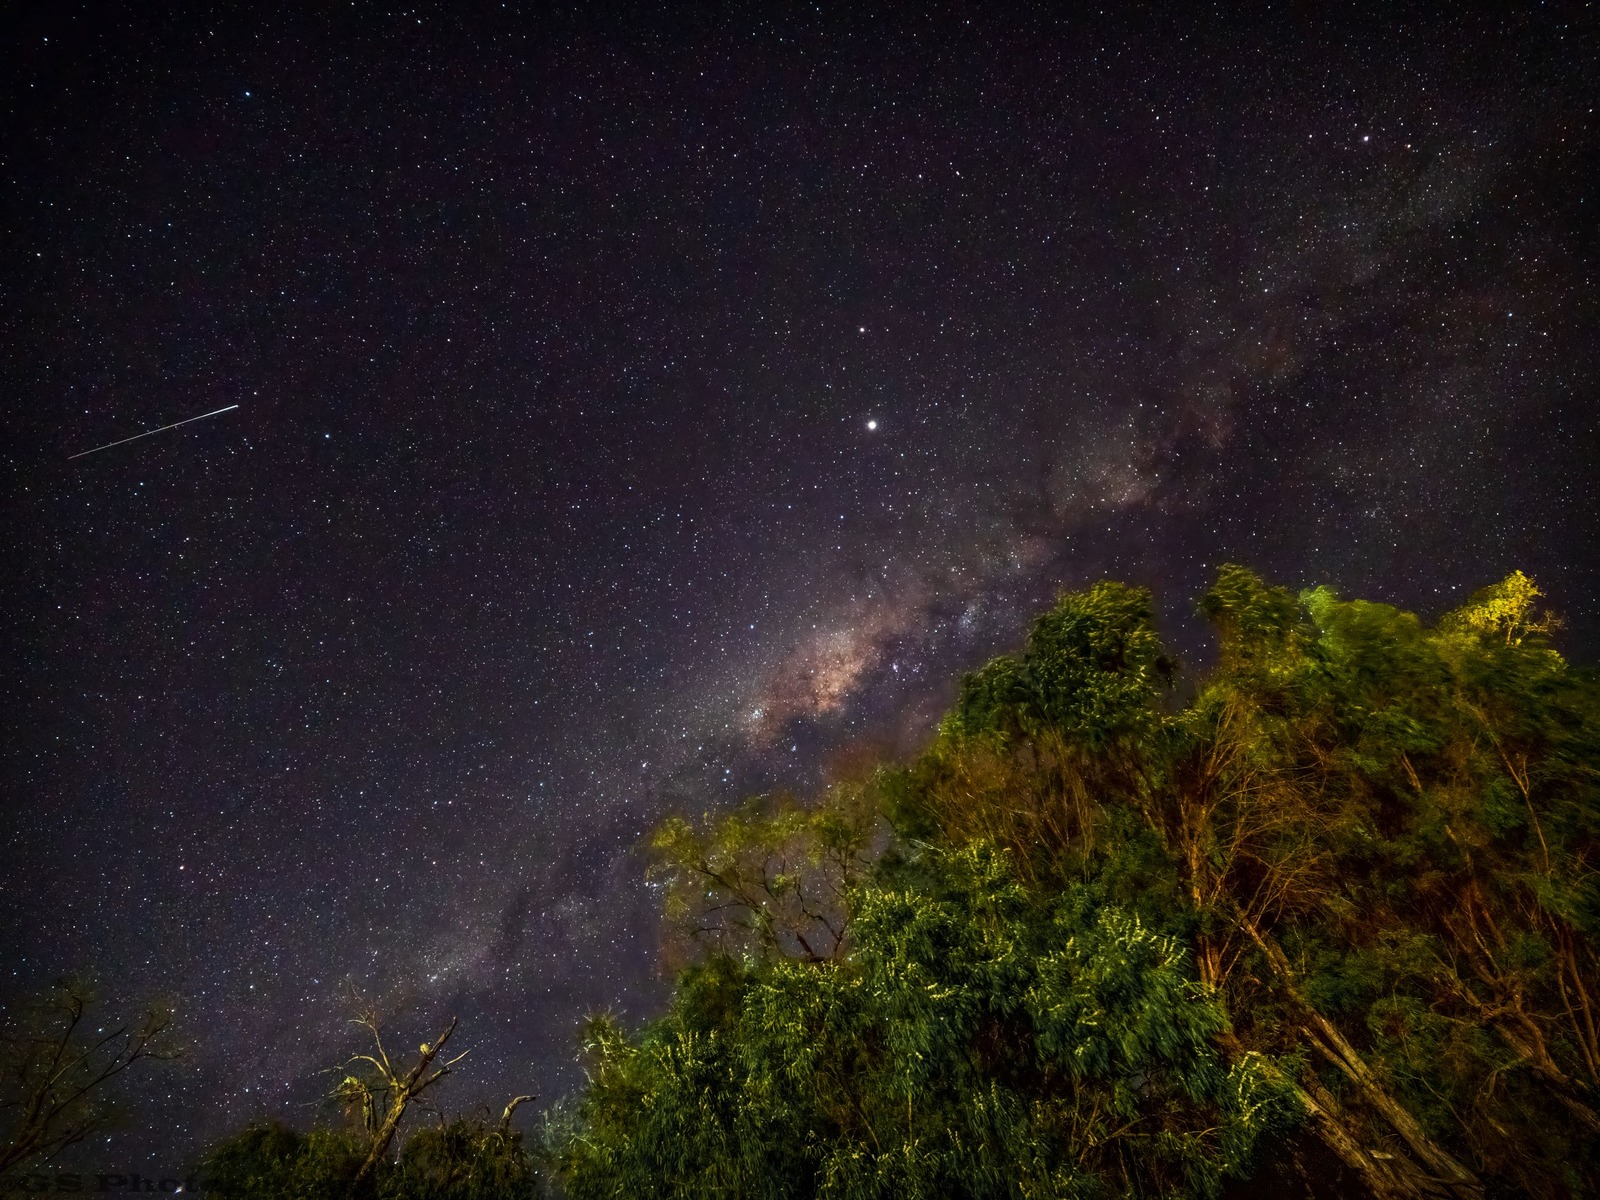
pixel 408 1090
pixel 1569 1091
pixel 1448 1172
pixel 1389 1176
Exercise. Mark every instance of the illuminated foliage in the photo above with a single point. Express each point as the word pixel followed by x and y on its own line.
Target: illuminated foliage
pixel 1343 902
pixel 975 1042
pixel 1114 949
pixel 1505 609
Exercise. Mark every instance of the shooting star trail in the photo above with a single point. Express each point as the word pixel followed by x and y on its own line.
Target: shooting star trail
pixel 148 432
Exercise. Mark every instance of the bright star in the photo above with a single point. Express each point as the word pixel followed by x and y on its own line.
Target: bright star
pixel 872 425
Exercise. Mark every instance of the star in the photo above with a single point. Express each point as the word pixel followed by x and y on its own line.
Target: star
pixel 584 361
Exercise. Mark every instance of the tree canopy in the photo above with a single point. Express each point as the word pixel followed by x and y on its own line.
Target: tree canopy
pixel 1094 942
pixel 1337 907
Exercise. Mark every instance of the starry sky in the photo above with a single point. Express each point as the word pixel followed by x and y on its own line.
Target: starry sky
pixel 641 409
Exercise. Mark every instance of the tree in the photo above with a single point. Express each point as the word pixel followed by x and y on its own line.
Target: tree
pixel 1113 946
pixel 271 1161
pixel 384 1094
pixel 772 875
pixel 974 1042
pixel 1379 838
pixel 465 1159
pixel 56 1067
pixel 461 1158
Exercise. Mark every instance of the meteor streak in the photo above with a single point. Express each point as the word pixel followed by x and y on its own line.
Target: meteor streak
pixel 148 432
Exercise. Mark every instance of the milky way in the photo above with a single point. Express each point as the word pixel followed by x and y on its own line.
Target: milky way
pixel 635 413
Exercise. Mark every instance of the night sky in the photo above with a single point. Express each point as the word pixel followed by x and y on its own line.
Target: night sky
pixel 636 412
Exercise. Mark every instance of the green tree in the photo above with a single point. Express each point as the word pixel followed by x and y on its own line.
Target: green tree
pixel 1116 947
pixel 977 1040
pixel 271 1161
pixel 1392 833
pixel 773 875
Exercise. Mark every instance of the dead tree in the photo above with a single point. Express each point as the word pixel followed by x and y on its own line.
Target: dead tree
pixel 55 1068
pixel 383 1102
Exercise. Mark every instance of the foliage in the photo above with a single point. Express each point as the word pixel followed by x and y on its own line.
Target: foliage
pixel 461 1159
pixel 974 1042
pixel 1506 609
pixel 1115 948
pixel 1091 671
pixel 771 875
pixel 271 1160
